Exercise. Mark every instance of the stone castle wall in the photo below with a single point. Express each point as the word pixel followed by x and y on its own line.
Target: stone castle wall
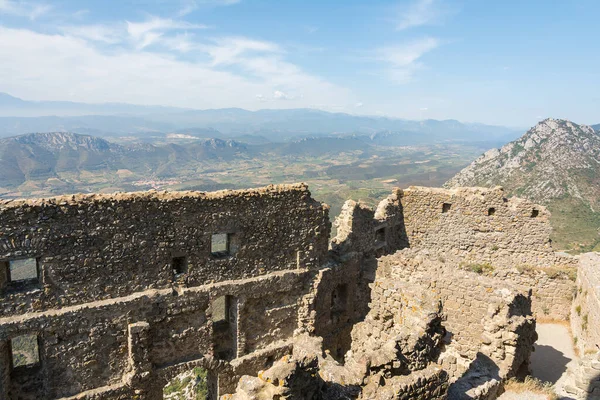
pixel 97 247
pixel 480 225
pixel 106 264
pixel 583 376
pixel 466 297
pixel 585 312
pixel 117 317
pixel 509 239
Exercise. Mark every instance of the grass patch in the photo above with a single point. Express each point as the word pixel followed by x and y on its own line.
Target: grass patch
pixel 482 269
pixel 553 272
pixel 533 385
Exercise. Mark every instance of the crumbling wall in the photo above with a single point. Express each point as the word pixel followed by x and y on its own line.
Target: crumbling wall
pixel 92 247
pixel 130 294
pixel 585 313
pixel 480 225
pixel 342 296
pixel 466 298
pixel 115 321
pixel 583 376
pixel 507 239
pixel 85 347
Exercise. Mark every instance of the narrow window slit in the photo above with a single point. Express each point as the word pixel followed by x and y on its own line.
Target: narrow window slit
pixel 380 235
pixel 179 265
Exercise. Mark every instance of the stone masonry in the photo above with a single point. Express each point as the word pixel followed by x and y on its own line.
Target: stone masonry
pixel 431 295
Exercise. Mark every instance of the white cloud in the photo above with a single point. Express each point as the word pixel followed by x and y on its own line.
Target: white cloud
pixel 164 31
pixel 359 104
pixel 97 33
pixel 24 9
pixel 423 109
pixel 279 95
pixel 406 54
pixel 420 12
pixel 148 32
pixel 181 42
pixel 404 59
pixel 231 50
pixel 76 69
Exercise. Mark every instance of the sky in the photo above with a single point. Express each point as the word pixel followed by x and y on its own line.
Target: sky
pixel 509 62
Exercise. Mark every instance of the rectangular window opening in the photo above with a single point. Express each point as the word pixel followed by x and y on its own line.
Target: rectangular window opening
pixel 23 270
pixel 220 311
pixel 220 244
pixel 446 207
pixel 535 213
pixel 339 298
pixel 179 265
pixel 25 351
pixel 491 211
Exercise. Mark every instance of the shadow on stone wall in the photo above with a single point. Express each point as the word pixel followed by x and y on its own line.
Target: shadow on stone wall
pixel 339 340
pixel 593 390
pixel 482 377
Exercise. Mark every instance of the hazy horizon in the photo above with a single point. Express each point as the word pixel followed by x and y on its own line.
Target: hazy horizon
pixel 509 64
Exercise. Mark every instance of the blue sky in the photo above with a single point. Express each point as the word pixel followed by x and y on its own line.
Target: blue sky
pixel 500 62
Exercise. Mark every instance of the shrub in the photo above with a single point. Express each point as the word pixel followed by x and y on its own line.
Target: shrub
pixel 484 268
pixel 578 310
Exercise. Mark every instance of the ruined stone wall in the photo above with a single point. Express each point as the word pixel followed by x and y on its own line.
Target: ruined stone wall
pixel 585 313
pixel 480 225
pixel 583 375
pixel 341 295
pixel 112 318
pixel 466 298
pixel 86 347
pixel 509 239
pixel 92 247
pixel 117 317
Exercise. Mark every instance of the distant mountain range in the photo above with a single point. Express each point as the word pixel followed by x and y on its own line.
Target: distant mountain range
pixel 41 156
pixel 556 163
pixel 114 119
